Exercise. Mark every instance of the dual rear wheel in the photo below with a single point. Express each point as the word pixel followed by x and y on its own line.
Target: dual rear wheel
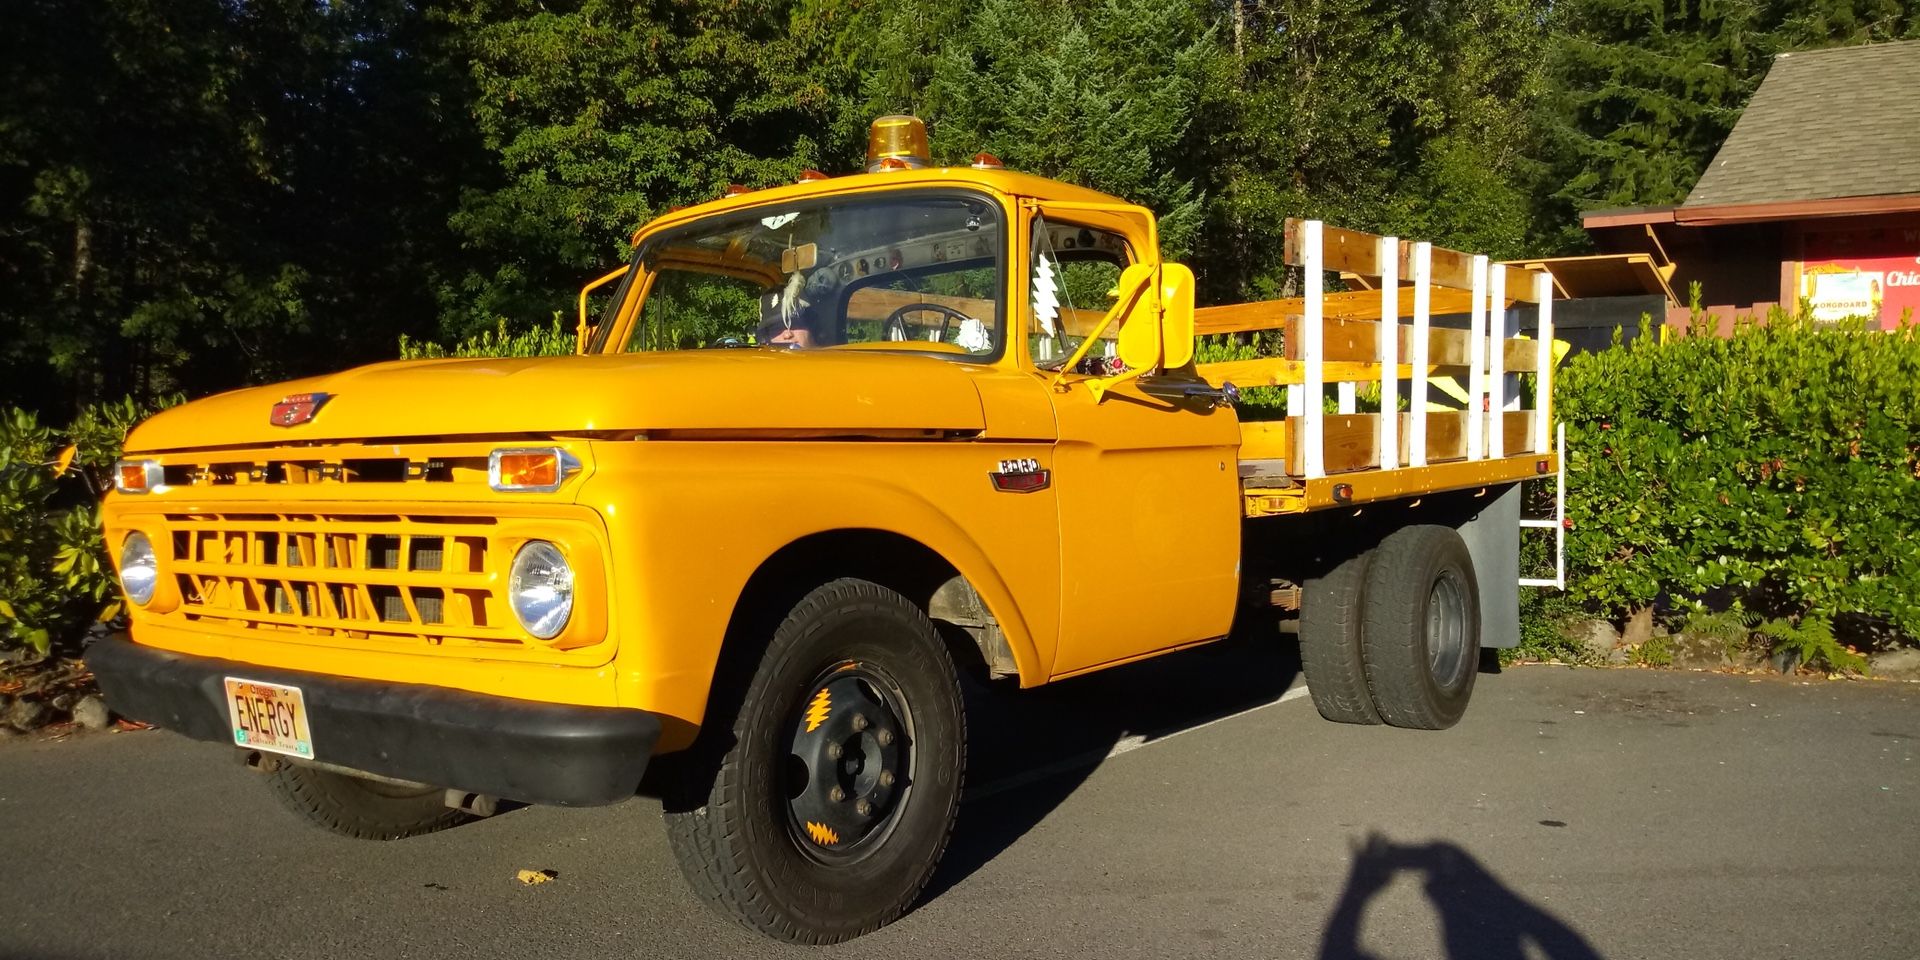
pixel 1393 634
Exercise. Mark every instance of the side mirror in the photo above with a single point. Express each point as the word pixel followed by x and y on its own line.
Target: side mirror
pixel 1155 312
pixel 1137 311
pixel 1159 334
pixel 584 331
pixel 1176 315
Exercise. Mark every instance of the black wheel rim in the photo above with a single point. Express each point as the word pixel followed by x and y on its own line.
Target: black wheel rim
pixel 849 762
pixel 1447 630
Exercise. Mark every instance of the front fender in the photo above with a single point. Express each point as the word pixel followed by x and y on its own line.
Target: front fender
pixel 690 522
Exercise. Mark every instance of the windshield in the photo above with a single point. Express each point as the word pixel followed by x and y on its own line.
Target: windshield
pixel 909 271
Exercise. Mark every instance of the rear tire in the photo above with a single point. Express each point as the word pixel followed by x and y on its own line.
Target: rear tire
pixel 361 808
pixel 1422 630
pixel 824 816
pixel 1331 615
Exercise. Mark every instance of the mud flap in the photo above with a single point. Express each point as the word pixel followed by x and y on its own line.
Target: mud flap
pixel 1493 541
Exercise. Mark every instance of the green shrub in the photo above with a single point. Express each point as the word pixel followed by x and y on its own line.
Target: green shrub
pixel 553 340
pixel 1545 616
pixel 1256 403
pixel 1778 469
pixel 55 577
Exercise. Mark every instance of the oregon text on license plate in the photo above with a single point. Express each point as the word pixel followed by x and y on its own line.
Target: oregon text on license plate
pixel 269 716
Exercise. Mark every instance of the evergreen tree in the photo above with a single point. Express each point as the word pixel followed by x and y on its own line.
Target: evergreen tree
pixel 1104 94
pixel 602 113
pixel 1647 90
pixel 199 193
pixel 1412 119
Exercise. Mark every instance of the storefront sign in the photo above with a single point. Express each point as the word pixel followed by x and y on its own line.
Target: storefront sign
pixel 1862 273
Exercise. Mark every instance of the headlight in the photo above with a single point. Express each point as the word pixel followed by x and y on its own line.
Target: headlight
pixel 139 568
pixel 540 589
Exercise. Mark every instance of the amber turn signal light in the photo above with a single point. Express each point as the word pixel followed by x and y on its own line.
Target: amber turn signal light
pixel 530 469
pixel 137 476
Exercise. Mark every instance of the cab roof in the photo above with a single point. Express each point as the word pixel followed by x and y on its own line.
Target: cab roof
pixel 1002 181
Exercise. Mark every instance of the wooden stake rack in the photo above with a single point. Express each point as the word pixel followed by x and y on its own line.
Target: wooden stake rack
pixel 1315 459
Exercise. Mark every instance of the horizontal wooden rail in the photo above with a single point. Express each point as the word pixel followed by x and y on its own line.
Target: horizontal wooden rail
pixel 1359 341
pixel 1357 253
pixel 1353 440
pixel 1348 305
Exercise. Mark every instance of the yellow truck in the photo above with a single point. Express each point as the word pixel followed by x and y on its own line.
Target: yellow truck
pixel 828 448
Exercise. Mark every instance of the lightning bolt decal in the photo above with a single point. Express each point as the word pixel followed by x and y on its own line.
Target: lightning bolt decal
pixel 818 710
pixel 821 833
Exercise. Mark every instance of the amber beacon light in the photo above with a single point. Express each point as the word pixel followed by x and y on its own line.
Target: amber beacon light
pixel 897 143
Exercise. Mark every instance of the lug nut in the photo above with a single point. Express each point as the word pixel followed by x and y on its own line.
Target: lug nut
pixel 833 751
pixel 886 778
pixel 885 736
pixel 859 722
pixel 863 808
pixel 836 794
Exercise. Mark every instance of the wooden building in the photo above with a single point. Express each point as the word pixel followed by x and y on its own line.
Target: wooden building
pixel 1814 197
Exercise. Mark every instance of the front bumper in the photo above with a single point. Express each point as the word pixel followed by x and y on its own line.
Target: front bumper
pixel 515 749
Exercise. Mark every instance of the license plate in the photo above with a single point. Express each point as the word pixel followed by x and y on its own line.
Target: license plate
pixel 270 717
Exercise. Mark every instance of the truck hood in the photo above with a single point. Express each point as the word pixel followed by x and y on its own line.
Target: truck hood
pixel 735 390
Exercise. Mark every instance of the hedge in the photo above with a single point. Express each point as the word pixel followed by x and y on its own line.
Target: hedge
pixel 55 578
pixel 1775 471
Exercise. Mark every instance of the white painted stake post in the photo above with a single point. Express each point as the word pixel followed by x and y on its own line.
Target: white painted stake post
pixel 1417 394
pixel 1476 352
pixel 1315 392
pixel 1496 362
pixel 1389 259
pixel 1543 367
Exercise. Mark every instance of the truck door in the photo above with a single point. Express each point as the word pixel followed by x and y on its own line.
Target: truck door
pixel 1148 490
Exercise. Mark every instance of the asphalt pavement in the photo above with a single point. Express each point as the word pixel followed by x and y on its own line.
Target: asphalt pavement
pixel 1195 807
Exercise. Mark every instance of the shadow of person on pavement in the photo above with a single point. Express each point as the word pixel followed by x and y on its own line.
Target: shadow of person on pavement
pixel 1480 918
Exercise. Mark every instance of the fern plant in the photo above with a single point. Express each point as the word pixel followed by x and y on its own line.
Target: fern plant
pixel 1811 641
pixel 1732 627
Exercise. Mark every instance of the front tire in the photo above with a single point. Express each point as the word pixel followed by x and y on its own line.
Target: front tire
pixel 361 808
pixel 1422 631
pixel 826 814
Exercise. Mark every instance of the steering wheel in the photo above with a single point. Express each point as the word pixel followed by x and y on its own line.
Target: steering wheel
pixel 896 321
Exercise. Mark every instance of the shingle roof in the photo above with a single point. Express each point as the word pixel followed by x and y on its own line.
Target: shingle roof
pixel 1843 122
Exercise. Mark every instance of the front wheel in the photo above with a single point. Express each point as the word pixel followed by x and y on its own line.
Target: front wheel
pixel 825 816
pixel 362 808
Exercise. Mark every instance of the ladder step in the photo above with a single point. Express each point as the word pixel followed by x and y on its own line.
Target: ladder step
pixel 1540 524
